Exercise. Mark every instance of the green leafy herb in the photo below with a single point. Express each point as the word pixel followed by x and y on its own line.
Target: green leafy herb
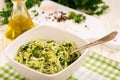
pixel 35 13
pixel 78 18
pixel 4 15
pixel 31 3
pixel 92 7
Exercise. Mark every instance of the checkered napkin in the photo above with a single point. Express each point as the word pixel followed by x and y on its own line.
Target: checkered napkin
pixel 95 67
pixel 7 73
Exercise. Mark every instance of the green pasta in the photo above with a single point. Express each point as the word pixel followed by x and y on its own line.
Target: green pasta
pixel 47 56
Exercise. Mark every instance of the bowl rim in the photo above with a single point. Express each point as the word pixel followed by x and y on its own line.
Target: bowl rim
pixel 38 72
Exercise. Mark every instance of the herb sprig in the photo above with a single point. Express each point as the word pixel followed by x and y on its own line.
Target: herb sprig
pixel 78 18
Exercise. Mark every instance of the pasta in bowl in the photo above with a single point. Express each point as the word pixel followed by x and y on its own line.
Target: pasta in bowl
pixel 47 56
pixel 42 53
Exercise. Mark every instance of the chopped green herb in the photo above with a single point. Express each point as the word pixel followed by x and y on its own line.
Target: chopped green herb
pixel 71 15
pixel 36 14
pixel 78 18
pixel 34 11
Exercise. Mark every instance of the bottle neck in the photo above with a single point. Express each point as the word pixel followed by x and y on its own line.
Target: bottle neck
pixel 19 8
pixel 18 4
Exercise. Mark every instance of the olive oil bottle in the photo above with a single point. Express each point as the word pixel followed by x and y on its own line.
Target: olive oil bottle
pixel 20 20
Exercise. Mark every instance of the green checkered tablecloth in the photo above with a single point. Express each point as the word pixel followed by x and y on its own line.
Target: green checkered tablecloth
pixel 95 67
pixel 7 73
pixel 103 66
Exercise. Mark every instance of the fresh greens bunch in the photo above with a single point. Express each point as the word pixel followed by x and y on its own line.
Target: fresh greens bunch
pixel 6 12
pixel 91 7
pixel 31 3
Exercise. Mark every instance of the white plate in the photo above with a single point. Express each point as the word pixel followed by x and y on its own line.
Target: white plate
pixel 96 26
pixel 94 30
pixel 112 21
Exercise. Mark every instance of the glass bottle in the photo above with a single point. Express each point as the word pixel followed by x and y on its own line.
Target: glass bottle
pixel 20 20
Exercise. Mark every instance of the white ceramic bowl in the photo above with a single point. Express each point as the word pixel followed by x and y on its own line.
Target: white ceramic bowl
pixel 48 33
